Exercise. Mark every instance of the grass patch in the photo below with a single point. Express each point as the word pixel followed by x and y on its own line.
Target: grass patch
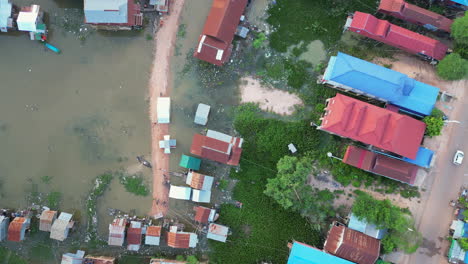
pixel 223 184
pixel 134 184
pixel 46 179
pixel 182 31
pixel 53 200
pixel 9 257
pixel 305 20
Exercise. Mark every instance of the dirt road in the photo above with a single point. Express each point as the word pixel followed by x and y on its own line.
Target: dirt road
pixel 434 215
pixel 159 85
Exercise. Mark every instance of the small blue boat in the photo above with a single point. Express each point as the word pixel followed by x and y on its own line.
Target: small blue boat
pixel 52 48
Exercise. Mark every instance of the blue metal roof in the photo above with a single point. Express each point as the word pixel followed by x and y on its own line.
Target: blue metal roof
pixel 423 158
pixel 305 254
pixel 389 85
pixel 463 2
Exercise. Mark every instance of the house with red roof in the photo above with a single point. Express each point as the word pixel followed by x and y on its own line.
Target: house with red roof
pixel 177 239
pixel 415 14
pixel 218 147
pixel 117 232
pixel 215 42
pixel 351 245
pixel 17 229
pixel 134 235
pixel 407 40
pixel 153 235
pixel 204 215
pixel 348 117
pixel 381 164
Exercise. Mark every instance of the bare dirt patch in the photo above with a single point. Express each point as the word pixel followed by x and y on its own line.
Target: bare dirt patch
pixel 268 98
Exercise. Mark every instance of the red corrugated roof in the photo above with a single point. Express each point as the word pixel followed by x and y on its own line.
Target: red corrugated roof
pixel 414 14
pixel 216 150
pixel 381 164
pixel 178 240
pixel 219 30
pixel 134 236
pixel 14 229
pixel 360 121
pixel 202 214
pixel 153 231
pixel 381 30
pixel 352 245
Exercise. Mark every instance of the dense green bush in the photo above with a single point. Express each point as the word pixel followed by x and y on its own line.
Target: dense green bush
pixel 459 29
pixel 401 234
pixel 134 184
pixel 434 123
pixel 453 67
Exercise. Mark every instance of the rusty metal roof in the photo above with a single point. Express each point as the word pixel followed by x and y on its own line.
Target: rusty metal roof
pixel 352 245
pixel 178 240
pixel 153 231
pixel 202 214
pixel 15 229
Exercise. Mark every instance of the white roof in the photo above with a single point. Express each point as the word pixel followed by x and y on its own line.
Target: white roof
pixel 457 227
pixel 27 20
pixel 193 240
pixel 106 11
pixel 201 196
pixel 292 148
pixel 180 192
pixel 5 13
pixel 133 247
pixel 135 224
pixel 217 232
pixel 60 227
pixel 70 258
pixel 201 116
pixel 219 136
pixel 163 110
pixel 65 216
pixel 152 240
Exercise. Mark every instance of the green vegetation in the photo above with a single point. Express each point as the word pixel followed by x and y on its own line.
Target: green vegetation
pixel 182 31
pixel 453 67
pixel 53 200
pixel 463 242
pixel 305 20
pixel 223 184
pixel 100 185
pixel 434 123
pixel 401 231
pixel 149 37
pixel 259 40
pixel 46 179
pixel 9 257
pixel 189 259
pixel 459 29
pixel 290 189
pixel 134 184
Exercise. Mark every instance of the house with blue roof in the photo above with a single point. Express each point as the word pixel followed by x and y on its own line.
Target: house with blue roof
pixel 365 227
pixel 351 74
pixel 304 254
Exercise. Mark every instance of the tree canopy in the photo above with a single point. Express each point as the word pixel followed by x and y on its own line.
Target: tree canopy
pixel 453 67
pixel 290 189
pixel 460 29
pixel 401 232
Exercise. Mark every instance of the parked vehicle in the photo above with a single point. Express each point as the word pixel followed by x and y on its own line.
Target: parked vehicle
pixel 458 158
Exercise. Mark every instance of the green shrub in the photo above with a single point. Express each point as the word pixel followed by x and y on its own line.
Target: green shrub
pixel 53 200
pixel 134 184
pixel 453 67
pixel 259 40
pixel 463 242
pixel 459 29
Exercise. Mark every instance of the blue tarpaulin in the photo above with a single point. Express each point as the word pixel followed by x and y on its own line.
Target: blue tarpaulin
pixel 385 84
pixel 305 254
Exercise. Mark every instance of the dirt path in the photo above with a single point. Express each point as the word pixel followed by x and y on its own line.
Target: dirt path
pixel 267 98
pixel 159 85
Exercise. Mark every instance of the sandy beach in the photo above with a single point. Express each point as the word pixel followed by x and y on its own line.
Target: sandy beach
pixel 268 99
pixel 160 85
